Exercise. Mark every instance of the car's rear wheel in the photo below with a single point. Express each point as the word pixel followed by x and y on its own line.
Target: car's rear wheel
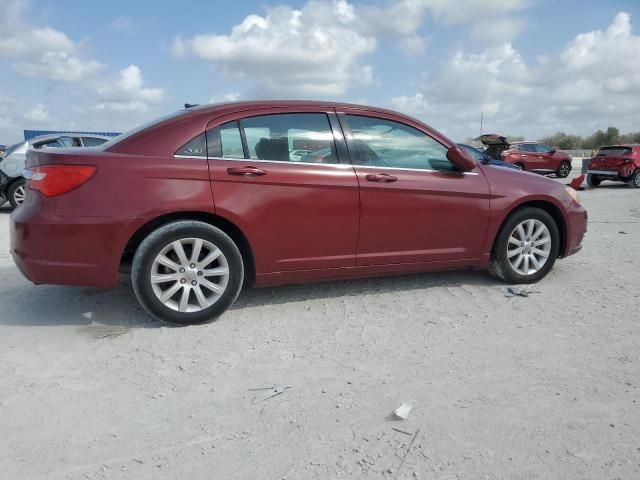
pixel 563 169
pixel 17 192
pixel 634 180
pixel 526 247
pixel 519 166
pixel 187 272
pixel 593 180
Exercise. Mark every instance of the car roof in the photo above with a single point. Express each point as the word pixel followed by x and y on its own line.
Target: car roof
pixel 251 104
pixel 169 133
pixel 522 142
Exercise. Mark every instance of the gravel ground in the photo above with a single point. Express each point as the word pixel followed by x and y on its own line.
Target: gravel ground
pixel 543 387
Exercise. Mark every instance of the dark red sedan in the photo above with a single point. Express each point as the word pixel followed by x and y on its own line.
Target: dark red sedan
pixel 269 193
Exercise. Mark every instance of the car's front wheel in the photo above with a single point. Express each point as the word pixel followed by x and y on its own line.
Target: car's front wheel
pixel 519 166
pixel 187 272
pixel 16 193
pixel 563 169
pixel 526 247
pixel 593 180
pixel 634 180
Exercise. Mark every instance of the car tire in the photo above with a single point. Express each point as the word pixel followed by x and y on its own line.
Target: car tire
pixel 564 169
pixel 634 180
pixel 593 180
pixel 158 270
pixel 520 166
pixel 504 262
pixel 16 193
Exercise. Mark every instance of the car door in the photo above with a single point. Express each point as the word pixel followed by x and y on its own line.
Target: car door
pixel 285 180
pixel 546 157
pixel 415 205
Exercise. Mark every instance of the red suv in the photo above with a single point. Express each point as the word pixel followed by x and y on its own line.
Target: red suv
pixel 269 193
pixel 538 158
pixel 620 163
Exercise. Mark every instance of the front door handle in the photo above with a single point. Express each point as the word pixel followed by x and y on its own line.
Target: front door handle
pixel 381 178
pixel 246 171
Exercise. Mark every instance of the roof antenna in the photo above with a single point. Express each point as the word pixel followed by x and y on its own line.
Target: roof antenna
pixel 191 105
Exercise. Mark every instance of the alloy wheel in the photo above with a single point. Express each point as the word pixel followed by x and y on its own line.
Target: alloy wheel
pixel 564 170
pixel 529 246
pixel 19 194
pixel 189 275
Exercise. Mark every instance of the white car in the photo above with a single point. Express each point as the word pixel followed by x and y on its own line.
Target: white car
pixel 12 164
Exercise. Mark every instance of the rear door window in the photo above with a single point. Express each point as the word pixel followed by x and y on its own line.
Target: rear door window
pixel 541 148
pixel 290 137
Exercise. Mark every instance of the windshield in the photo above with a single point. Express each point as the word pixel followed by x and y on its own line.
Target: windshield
pixel 139 129
pixel 613 152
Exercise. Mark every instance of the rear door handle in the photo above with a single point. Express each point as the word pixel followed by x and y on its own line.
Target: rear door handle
pixel 381 178
pixel 246 171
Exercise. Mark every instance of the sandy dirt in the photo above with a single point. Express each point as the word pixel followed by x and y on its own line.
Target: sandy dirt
pixel 543 387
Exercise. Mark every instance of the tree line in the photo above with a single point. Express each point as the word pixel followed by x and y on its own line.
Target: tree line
pixel 611 136
pixel 562 141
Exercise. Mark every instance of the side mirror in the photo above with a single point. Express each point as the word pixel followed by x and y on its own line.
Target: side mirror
pixel 460 158
pixel 553 150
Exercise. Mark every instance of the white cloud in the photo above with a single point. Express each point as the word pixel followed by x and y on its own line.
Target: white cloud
pixel 42 52
pixel 37 114
pixel 321 48
pixel 591 84
pixel 127 93
pixel 86 96
pixel 315 51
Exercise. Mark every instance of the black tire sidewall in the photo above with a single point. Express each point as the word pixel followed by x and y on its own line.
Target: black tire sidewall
pixel 520 166
pixel 500 248
pixel 593 180
pixel 559 172
pixel 12 190
pixel 160 238
pixel 633 180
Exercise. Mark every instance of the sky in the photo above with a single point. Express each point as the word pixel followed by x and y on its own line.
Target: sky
pixel 529 67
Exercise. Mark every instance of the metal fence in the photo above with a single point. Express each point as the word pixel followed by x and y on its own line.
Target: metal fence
pixel 578 153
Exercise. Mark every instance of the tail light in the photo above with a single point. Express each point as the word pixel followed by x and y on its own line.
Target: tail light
pixel 52 180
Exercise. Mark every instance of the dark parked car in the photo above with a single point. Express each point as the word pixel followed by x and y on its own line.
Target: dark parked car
pixel 620 163
pixel 531 156
pixel 212 197
pixel 483 157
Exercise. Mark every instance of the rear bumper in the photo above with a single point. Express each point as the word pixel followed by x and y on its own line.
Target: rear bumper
pixel 620 171
pixel 576 229
pixel 48 249
pixel 604 173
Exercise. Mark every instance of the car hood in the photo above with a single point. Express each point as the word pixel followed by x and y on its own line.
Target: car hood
pixel 493 139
